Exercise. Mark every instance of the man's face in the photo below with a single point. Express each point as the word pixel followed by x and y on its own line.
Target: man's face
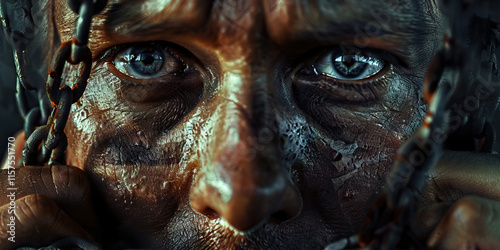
pixel 264 124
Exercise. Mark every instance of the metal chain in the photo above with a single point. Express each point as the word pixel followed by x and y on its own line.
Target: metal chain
pixel 50 138
pixel 483 129
pixel 390 221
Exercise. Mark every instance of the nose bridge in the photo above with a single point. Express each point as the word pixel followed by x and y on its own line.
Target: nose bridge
pixel 241 179
pixel 234 99
pixel 236 146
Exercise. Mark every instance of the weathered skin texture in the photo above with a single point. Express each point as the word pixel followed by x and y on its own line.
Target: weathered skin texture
pixel 258 145
pixel 244 151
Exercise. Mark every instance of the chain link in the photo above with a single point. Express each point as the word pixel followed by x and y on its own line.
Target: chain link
pixel 50 138
pixel 62 56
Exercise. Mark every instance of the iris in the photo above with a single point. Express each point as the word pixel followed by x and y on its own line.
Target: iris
pixel 141 61
pixel 348 67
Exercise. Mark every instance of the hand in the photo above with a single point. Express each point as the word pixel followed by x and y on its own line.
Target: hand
pixel 461 202
pixel 51 203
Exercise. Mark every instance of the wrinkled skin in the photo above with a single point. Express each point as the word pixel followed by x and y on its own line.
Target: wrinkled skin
pixel 243 150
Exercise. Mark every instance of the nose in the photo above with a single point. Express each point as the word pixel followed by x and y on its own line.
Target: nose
pixel 242 180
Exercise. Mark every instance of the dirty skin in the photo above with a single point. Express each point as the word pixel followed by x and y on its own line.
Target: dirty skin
pixel 245 126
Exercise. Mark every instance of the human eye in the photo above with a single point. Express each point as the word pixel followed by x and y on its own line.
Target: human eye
pixel 156 71
pixel 348 66
pixel 348 77
pixel 147 62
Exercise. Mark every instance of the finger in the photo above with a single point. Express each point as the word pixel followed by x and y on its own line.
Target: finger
pixel 67 186
pixel 457 174
pixel 35 221
pixel 471 223
pixel 429 217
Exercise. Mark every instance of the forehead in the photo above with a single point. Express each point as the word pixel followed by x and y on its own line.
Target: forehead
pixel 339 9
pixel 279 16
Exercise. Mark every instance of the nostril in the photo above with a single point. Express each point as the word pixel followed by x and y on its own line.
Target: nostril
pixel 210 213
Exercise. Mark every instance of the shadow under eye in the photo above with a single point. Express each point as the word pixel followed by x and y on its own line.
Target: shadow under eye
pixel 185 87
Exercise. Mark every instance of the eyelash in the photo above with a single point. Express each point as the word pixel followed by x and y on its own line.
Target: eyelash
pixel 108 54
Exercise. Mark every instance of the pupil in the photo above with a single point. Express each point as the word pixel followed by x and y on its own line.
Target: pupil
pixel 349 62
pixel 349 66
pixel 147 62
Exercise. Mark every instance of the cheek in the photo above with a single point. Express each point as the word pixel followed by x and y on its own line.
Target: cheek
pixel 88 117
pixel 139 177
pixel 136 164
pixel 363 178
pixel 350 151
pixel 346 176
pixel 130 166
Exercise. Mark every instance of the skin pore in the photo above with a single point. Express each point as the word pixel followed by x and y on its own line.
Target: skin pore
pixel 238 144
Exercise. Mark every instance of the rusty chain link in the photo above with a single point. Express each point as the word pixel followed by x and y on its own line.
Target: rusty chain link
pixel 50 139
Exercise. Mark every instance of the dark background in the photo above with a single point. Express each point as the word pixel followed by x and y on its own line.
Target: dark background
pixel 10 120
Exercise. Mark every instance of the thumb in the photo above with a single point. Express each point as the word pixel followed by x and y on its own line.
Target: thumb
pixel 67 186
pixel 456 175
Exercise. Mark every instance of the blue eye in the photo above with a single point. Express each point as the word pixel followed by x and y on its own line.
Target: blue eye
pixel 348 67
pixel 146 62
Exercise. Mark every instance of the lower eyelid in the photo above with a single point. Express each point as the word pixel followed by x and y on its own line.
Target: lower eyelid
pixel 343 92
pixel 164 89
pixel 127 79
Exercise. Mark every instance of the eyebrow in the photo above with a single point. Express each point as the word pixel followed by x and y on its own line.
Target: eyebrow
pixel 133 18
pixel 400 24
pixel 397 25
